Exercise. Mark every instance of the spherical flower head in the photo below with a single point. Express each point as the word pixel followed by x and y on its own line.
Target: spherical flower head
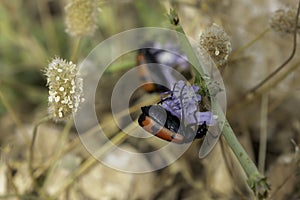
pixel 65 89
pixel 183 102
pixel 81 17
pixel 283 21
pixel 217 43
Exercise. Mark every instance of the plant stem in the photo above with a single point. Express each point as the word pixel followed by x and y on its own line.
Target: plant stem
pixel 59 149
pixel 252 96
pixel 31 149
pixel 256 181
pixel 263 133
pixel 244 159
pixel 75 50
pixel 278 69
pixel 93 159
pixel 47 26
pixel 106 124
pixel 250 43
pixel 14 117
pixel 253 92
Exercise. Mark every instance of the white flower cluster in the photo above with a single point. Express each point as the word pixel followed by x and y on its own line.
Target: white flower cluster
pixel 65 88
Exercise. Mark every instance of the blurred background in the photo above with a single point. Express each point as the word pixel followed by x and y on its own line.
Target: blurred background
pixel 32 32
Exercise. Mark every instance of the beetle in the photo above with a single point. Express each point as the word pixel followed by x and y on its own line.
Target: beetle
pixel 144 57
pixel 176 119
pixel 163 124
pixel 151 75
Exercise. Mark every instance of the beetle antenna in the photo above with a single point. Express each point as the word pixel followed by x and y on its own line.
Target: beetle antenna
pixel 171 92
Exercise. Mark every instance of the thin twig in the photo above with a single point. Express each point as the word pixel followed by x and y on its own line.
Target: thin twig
pixel 14 117
pixel 93 159
pixel 106 124
pixel 263 90
pixel 31 149
pixel 249 44
pixel 253 93
pixel 59 149
pixel 263 133
pixel 255 88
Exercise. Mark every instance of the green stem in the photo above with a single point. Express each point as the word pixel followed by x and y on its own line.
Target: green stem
pixel 75 50
pixel 187 47
pixel 246 162
pixel 256 181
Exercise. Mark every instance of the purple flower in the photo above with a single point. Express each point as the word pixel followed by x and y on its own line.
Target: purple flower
pixel 183 100
pixel 201 117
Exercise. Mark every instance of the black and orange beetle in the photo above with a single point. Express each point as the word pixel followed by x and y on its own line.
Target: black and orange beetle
pixel 154 54
pixel 163 124
pixel 176 118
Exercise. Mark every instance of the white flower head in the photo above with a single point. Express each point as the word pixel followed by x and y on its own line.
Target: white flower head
pixel 65 88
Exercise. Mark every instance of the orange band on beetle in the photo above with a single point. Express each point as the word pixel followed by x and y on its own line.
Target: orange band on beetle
pixel 162 132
